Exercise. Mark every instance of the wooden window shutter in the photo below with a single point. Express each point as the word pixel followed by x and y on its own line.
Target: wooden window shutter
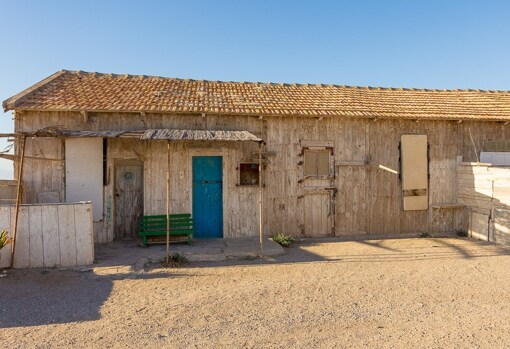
pixel 323 163
pixel 310 163
pixel 414 168
pixel 317 163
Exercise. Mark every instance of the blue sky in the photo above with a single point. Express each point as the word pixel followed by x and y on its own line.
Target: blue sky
pixel 427 44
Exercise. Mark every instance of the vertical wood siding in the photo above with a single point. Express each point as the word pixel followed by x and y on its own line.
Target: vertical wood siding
pixel 56 235
pixel 364 198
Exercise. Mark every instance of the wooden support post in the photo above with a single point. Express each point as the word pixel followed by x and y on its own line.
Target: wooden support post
pixel 261 247
pixel 18 199
pixel 168 204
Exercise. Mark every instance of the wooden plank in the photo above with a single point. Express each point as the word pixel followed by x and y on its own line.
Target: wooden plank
pixel 51 239
pixel 84 234
pixel 5 224
pixel 472 169
pixel 475 203
pixel 67 235
pixel 22 255
pixel 36 236
pixel 308 209
pixel 448 206
pixel 316 143
pixel 479 226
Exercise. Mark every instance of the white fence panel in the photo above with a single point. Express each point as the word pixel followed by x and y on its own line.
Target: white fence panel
pixel 49 235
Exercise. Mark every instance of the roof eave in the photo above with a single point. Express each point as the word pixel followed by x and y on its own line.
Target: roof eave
pixel 374 116
pixel 11 102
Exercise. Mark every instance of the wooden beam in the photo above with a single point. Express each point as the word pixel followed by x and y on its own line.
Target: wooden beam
pixel 8 135
pixel 387 169
pixel 13 157
pixel 261 242
pixel 168 205
pixel 18 199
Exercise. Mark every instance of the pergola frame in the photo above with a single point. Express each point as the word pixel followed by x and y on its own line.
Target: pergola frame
pixel 168 135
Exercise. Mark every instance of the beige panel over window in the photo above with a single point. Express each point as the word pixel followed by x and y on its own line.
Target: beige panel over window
pixel 414 167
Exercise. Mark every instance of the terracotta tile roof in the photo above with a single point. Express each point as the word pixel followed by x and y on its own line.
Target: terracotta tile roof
pixel 70 90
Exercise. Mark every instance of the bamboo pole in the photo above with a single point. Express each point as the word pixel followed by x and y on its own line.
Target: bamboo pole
pixel 168 204
pixel 18 199
pixel 261 247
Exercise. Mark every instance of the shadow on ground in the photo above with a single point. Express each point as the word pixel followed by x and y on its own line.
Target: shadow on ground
pixel 364 250
pixel 40 296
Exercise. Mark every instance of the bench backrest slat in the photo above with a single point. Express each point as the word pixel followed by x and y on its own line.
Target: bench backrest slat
pixel 178 222
pixel 172 216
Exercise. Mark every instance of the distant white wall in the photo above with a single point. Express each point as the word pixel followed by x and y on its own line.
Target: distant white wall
pixel 495 158
pixel 49 235
pixel 84 172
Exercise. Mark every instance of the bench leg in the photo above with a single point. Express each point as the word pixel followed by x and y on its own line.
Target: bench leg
pixel 144 243
pixel 190 239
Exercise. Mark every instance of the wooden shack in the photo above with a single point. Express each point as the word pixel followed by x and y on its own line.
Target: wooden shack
pixel 337 160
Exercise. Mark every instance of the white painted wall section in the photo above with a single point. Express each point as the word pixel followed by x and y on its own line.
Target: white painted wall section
pixel 84 172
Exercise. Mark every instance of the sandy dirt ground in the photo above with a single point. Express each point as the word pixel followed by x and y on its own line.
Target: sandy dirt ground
pixel 396 293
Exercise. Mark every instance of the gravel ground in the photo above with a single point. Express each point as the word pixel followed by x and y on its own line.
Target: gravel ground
pixel 396 293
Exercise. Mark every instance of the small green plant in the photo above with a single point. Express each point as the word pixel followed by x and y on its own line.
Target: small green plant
pixel 424 235
pixel 176 260
pixel 4 239
pixel 283 239
pixel 461 233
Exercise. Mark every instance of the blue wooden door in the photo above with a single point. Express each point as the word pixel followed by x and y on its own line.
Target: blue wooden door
pixel 208 196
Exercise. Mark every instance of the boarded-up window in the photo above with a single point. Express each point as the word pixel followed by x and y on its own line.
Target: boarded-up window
pixel 317 163
pixel 414 171
pixel 248 174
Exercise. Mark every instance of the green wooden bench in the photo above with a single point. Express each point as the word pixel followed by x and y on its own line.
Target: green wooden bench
pixel 180 224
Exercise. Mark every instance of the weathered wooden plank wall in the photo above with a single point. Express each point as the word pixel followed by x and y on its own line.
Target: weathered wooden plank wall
pixel 365 199
pixel 51 235
pixel 368 199
pixel 485 191
pixel 8 191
